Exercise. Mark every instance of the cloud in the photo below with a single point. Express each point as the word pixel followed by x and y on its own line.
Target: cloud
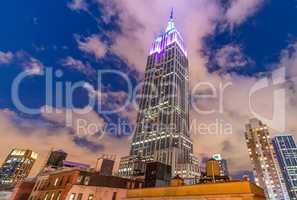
pixel 41 136
pixel 240 10
pixel 78 65
pixel 231 56
pixel 118 102
pixel 78 5
pixel 33 66
pixel 24 60
pixel 141 21
pixel 6 57
pixel 92 45
pixel 84 122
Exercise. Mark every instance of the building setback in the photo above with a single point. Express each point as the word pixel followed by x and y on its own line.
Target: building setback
pixel 286 151
pixel 162 126
pixel 263 159
pixel 17 166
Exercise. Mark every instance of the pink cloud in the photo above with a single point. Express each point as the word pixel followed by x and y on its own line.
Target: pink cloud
pixel 6 57
pixel 92 45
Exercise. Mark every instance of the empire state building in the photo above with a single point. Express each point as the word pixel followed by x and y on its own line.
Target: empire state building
pixel 162 127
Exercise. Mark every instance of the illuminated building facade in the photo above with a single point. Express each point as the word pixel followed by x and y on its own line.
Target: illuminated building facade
pixel 265 166
pixel 286 151
pixel 223 165
pixel 162 126
pixel 17 166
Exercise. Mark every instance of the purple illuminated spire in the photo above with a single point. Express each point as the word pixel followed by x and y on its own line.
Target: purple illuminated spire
pixel 171 35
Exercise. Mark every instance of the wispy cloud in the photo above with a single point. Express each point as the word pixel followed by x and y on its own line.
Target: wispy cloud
pixel 78 65
pixel 6 57
pixel 240 10
pixel 78 5
pixel 33 66
pixel 231 56
pixel 92 45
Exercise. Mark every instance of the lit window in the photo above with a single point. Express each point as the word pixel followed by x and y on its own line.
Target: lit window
pixel 72 196
pixel 56 181
pixel 58 195
pixel 79 179
pixel 91 197
pixel 52 196
pixel 87 180
pixel 46 196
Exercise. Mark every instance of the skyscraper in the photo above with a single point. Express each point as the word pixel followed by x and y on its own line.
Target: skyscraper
pixel 17 166
pixel 265 166
pixel 286 151
pixel 162 126
pixel 223 164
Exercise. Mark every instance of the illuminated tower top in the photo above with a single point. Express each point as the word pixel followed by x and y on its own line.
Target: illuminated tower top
pixel 168 37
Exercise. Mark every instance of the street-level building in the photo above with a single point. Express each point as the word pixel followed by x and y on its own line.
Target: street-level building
pixel 75 183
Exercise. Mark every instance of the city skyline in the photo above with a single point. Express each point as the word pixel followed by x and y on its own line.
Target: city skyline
pixel 222 53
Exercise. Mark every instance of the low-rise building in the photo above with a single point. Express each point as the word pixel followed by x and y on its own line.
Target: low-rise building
pixel 235 190
pixel 22 190
pixel 79 184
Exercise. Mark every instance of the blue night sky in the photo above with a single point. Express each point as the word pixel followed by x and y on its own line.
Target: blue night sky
pixel 238 41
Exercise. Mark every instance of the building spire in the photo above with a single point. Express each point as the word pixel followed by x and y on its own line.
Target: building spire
pixel 170 25
pixel 171 15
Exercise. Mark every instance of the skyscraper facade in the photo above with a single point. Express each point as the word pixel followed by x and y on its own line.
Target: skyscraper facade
pixel 286 151
pixel 223 164
pixel 265 165
pixel 162 127
pixel 17 166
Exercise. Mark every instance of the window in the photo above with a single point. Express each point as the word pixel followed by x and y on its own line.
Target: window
pixel 58 195
pixel 61 181
pixel 87 180
pixel 46 196
pixel 56 181
pixel 68 179
pixel 79 196
pixel 114 196
pixel 72 196
pixel 52 196
pixel 79 179
pixel 91 197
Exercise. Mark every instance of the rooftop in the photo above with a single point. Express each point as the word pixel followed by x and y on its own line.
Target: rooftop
pixel 236 187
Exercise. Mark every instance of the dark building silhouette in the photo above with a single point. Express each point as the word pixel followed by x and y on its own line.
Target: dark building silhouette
pixel 105 165
pixel 56 159
pixel 157 174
